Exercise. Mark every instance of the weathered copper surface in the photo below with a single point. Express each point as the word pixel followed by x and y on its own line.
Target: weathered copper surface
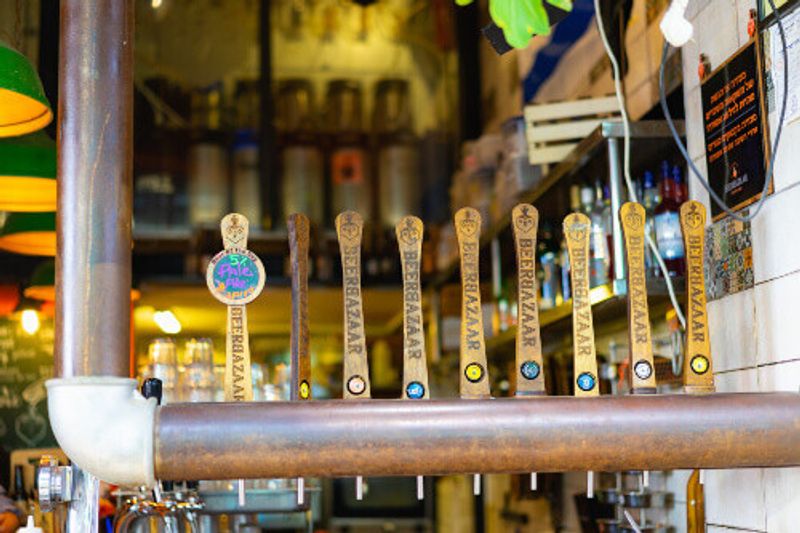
pixel 543 434
pixel 298 227
pixel 93 266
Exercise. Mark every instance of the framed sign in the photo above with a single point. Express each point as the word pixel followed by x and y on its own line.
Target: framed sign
pixel 734 123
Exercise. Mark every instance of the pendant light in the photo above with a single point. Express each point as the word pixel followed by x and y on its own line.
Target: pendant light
pixel 28 173
pixel 29 234
pixel 23 106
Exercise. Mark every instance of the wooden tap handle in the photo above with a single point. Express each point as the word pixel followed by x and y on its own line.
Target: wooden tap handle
pixel 235 276
pixel 642 369
pixel 577 231
pixel 474 371
pixel 530 368
pixel 234 227
pixel 698 371
pixel 298 227
pixel 349 228
pixel 415 371
pixel 238 380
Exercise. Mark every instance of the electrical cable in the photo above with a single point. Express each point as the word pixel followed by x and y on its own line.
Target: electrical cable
pixel 626 160
pixel 704 182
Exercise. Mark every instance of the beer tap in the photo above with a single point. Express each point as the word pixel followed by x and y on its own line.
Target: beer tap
pixel 529 363
pixel 298 227
pixel 236 277
pixel 698 370
pixel 640 344
pixel 576 230
pixel 415 371
pixel 698 375
pixel 349 229
pixel 474 380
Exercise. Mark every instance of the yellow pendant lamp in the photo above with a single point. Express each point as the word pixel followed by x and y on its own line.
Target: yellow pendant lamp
pixel 29 234
pixel 23 106
pixel 28 173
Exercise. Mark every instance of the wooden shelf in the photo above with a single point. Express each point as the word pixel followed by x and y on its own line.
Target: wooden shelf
pixel 567 168
pixel 606 307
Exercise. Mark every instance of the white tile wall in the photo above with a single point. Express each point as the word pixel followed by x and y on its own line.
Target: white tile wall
pixel 735 498
pixel 776 236
pixel 743 8
pixel 777 333
pixel 787 162
pixel 717 45
pixel 737 381
pixel 723 529
pixel 760 325
pixel 695 136
pixel 780 377
pixel 781 493
pixel 732 327
pixel 696 191
pixel 781 497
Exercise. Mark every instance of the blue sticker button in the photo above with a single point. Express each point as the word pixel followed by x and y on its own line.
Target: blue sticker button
pixel 586 381
pixel 529 370
pixel 415 390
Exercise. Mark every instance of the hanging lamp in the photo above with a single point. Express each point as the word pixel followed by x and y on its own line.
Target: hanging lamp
pixel 23 105
pixel 29 234
pixel 28 173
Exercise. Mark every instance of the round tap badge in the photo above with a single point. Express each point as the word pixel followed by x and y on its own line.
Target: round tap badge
pixel 356 385
pixel 235 276
pixel 415 390
pixel 586 381
pixel 529 370
pixel 474 372
pixel 699 364
pixel 642 369
pixel 304 390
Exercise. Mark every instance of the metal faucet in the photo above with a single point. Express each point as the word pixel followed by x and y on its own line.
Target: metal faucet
pixel 173 507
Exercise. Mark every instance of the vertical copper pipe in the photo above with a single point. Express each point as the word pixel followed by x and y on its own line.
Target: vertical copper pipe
pixel 93 264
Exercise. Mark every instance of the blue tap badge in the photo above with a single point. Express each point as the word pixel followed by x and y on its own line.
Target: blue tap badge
pixel 586 381
pixel 530 370
pixel 415 390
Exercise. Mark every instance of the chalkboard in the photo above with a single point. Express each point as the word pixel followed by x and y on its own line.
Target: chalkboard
pixel 26 362
pixel 735 130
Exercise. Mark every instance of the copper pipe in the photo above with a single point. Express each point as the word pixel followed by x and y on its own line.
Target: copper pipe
pixel 551 434
pixel 93 264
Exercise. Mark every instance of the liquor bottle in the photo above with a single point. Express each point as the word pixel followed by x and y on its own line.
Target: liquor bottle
pixel 680 184
pixel 20 495
pixel 563 253
pixel 550 280
pixel 207 185
pixel 397 153
pixel 246 180
pixel 351 181
pixel 598 243
pixel 587 199
pixel 668 225
pixel 301 159
pixel 649 200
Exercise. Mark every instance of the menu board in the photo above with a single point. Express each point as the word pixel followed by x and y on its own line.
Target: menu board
pixel 734 126
pixel 26 362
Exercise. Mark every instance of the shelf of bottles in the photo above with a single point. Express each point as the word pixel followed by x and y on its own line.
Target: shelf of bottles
pixel 590 181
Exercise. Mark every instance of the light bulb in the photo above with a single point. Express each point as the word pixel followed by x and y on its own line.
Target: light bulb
pixel 30 321
pixel 167 322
